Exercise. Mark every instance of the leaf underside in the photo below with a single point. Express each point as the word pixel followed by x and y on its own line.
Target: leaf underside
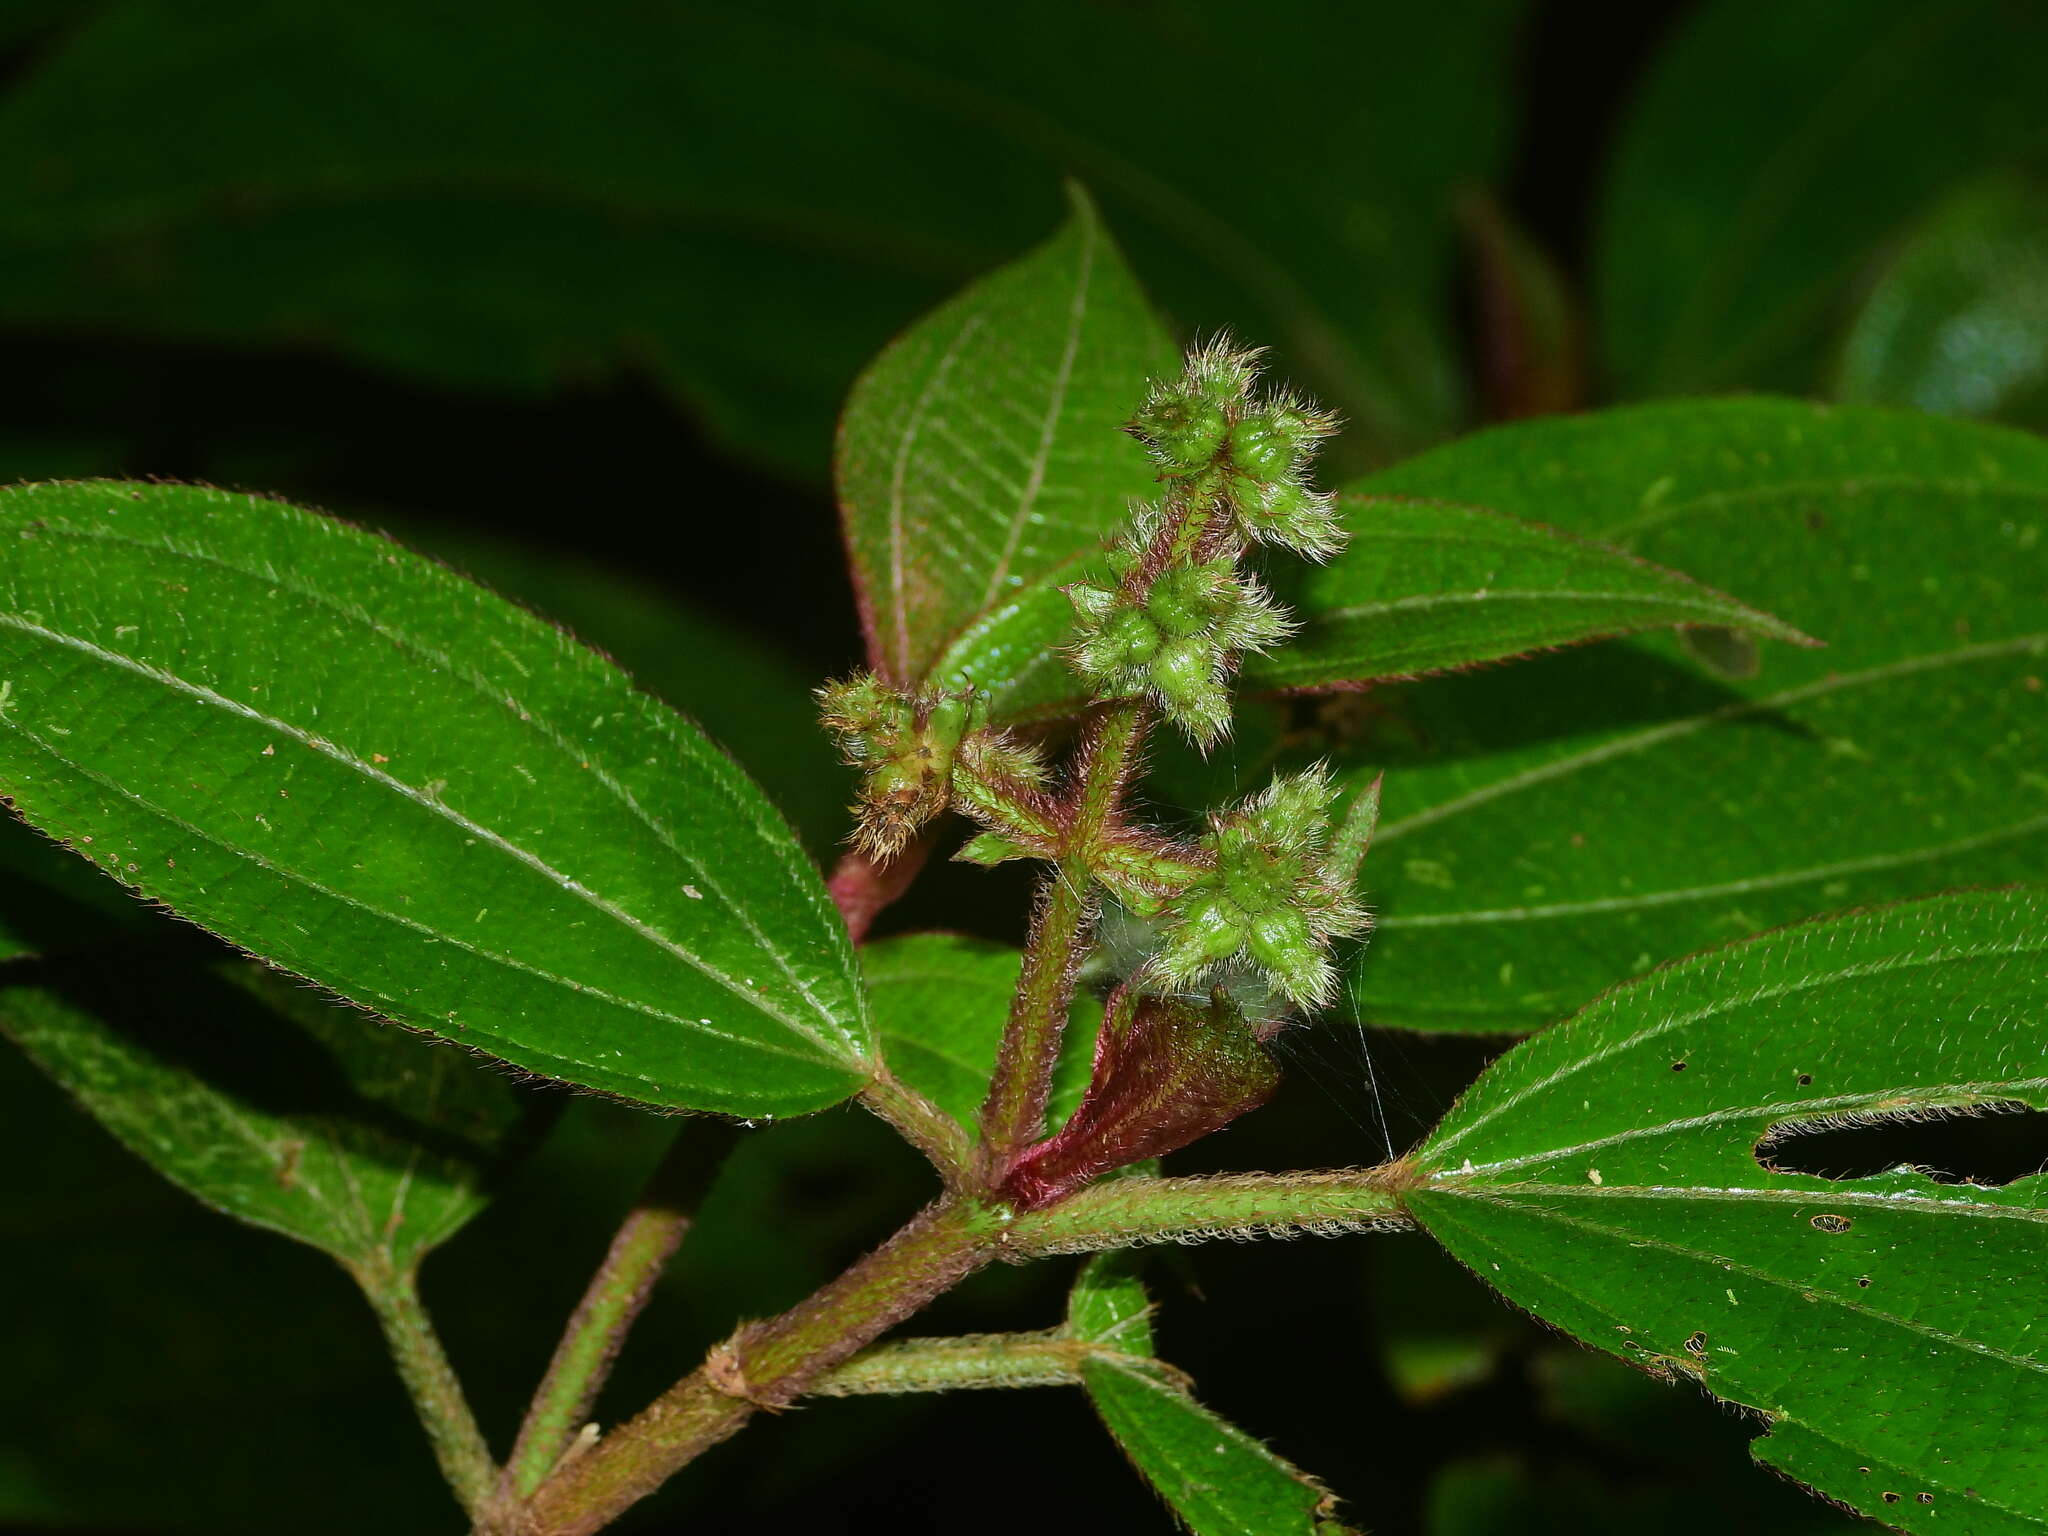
pixel 1218 1480
pixel 1613 1176
pixel 270 1103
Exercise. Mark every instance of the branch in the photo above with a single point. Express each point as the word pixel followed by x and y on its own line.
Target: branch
pixel 1129 1212
pixel 964 1363
pixel 642 1247
pixel 1013 1115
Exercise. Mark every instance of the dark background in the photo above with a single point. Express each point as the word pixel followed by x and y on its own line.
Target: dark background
pixel 173 1373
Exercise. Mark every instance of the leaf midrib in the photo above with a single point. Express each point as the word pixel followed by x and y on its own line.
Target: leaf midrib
pixel 484 834
pixel 354 615
pixel 1673 729
pixel 1883 966
pixel 1722 1262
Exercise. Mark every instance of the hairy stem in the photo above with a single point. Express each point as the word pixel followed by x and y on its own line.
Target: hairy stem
pixel 964 1363
pixel 1122 1213
pixel 641 1248
pixel 764 1365
pixel 771 1364
pixel 923 1124
pixel 1013 1115
pixel 436 1394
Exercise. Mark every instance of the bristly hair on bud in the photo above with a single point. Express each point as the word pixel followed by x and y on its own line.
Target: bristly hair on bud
pixel 1271 900
pixel 905 744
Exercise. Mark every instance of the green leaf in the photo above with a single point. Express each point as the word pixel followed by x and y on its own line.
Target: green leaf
pixel 980 456
pixel 532 201
pixel 1958 322
pixel 741 687
pixel 1427 586
pixel 1552 828
pixel 1108 1305
pixel 1614 1176
pixel 1773 146
pixel 1218 1480
pixel 365 769
pixel 940 1001
pixel 270 1103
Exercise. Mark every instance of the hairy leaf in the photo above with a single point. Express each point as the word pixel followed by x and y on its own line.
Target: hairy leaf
pixel 365 769
pixel 1958 322
pixel 532 201
pixel 1217 1479
pixel 1614 1176
pixel 1772 147
pixel 1552 828
pixel 980 455
pixel 747 693
pixel 270 1103
pixel 940 1001
pixel 1429 587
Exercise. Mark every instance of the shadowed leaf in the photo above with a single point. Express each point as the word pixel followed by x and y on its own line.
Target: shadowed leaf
pixel 1551 828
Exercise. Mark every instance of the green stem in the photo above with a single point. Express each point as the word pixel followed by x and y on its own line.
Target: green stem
pixel 1013 1115
pixel 769 1365
pixel 765 1365
pixel 436 1394
pixel 964 1363
pixel 941 1138
pixel 641 1248
pixel 1122 1213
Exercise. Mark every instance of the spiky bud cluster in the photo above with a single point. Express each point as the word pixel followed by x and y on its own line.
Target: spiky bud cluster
pixel 921 751
pixel 1173 617
pixel 1175 636
pixel 1250 453
pixel 1271 899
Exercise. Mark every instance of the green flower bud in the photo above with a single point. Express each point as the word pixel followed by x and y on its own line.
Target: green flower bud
pixel 1260 449
pixel 1294 517
pixel 1182 431
pixel 1187 601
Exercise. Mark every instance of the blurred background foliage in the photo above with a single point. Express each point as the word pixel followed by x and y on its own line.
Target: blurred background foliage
pixel 571 295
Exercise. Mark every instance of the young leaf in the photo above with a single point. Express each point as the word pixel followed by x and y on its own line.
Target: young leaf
pixel 1773 146
pixel 980 457
pixel 1167 1072
pixel 1615 1176
pixel 940 1001
pixel 1217 1479
pixel 365 769
pixel 1430 587
pixel 270 1103
pixel 1958 322
pixel 1552 828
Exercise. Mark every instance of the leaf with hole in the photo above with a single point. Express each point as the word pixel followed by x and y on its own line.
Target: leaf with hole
pixel 1615 1175
pixel 1551 828
pixel 359 766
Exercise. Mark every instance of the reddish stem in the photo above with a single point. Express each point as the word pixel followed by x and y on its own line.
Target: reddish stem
pixel 862 888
